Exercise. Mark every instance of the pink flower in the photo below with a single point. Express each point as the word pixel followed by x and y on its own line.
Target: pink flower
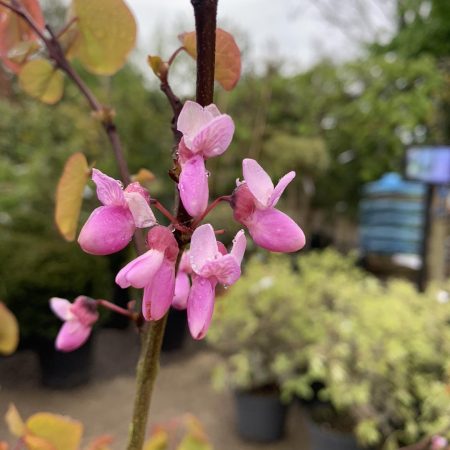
pixel 438 442
pixel 211 264
pixel 206 133
pixel 182 283
pixel 79 317
pixel 111 227
pixel 254 203
pixel 155 272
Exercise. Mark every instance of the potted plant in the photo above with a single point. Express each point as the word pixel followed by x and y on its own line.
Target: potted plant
pixel 380 356
pixel 252 330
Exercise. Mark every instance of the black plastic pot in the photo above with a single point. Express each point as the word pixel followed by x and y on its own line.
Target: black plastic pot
pixel 176 330
pixel 323 438
pixel 261 417
pixel 61 370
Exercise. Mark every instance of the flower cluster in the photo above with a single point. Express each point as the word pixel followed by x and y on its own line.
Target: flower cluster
pixel 191 285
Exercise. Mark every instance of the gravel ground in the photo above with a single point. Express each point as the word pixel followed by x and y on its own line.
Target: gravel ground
pixel 104 406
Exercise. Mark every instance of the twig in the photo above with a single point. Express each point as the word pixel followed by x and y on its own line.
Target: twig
pixel 223 198
pixel 113 307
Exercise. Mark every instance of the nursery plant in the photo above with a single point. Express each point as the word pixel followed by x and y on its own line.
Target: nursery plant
pixel 377 363
pixel 99 35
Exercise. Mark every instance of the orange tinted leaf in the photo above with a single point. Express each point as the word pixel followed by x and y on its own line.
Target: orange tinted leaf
pixel 4 445
pixel 42 81
pixel 14 30
pixel 33 442
pixel 69 195
pixel 144 176
pixel 62 433
pixel 107 34
pixel 101 443
pixel 9 331
pixel 158 441
pixel 14 422
pixel 228 57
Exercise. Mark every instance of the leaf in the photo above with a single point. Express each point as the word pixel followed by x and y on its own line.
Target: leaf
pixel 107 34
pixel 14 31
pixel 144 176
pixel 37 443
pixel 9 331
pixel 14 422
pixel 69 195
pixel 4 445
pixel 159 67
pixel 195 439
pixel 62 433
pixel 158 441
pixel 228 57
pixel 101 443
pixel 41 80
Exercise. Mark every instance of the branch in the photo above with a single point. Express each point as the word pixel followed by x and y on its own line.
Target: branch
pixel 205 24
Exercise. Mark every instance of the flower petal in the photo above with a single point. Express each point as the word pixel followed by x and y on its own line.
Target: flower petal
pixel 140 272
pixel 182 287
pixel 158 295
pixel 258 181
pixel 142 214
pixel 275 231
pixel 200 306
pixel 192 118
pixel 203 247
pixel 213 110
pixel 215 137
pixel 225 270
pixel 193 186
pixel 61 308
pixel 280 187
pixel 239 245
pixel 71 336
pixel 109 190
pixel 108 230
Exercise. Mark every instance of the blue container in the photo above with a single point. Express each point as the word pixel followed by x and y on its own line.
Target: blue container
pixel 392 216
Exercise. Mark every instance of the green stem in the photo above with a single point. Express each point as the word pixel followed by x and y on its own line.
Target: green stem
pixel 147 370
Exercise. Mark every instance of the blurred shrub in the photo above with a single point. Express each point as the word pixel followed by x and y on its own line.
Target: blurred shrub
pixel 375 357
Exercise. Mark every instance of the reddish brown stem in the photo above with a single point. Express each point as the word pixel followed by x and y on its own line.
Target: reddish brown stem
pixel 175 54
pixel 205 26
pixel 170 216
pixel 111 306
pixel 223 198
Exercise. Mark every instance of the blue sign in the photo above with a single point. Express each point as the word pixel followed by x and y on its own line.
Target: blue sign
pixel 428 164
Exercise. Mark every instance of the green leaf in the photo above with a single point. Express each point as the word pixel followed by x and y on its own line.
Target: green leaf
pixel 9 331
pixel 228 57
pixel 69 195
pixel 41 80
pixel 107 34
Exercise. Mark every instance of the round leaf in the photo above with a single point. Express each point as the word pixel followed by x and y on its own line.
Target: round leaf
pixel 41 80
pixel 228 57
pixel 107 34
pixel 62 433
pixel 9 331
pixel 69 195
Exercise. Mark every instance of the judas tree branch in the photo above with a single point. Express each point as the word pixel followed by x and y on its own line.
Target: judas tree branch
pixel 205 26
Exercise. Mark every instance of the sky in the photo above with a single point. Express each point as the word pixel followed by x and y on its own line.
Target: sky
pixel 296 32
